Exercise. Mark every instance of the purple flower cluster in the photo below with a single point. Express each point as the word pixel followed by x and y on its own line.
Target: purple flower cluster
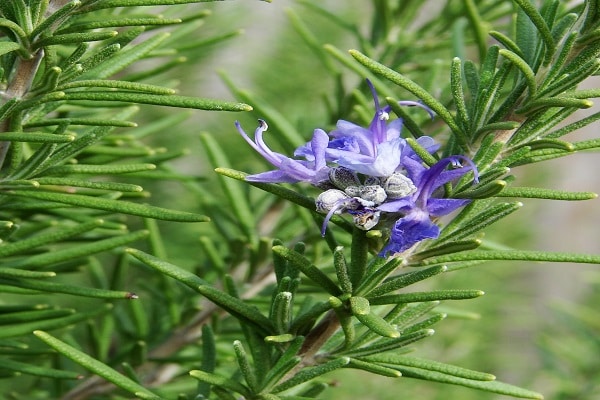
pixel 371 173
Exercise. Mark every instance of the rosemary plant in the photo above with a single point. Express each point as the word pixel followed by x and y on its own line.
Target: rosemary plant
pixel 331 259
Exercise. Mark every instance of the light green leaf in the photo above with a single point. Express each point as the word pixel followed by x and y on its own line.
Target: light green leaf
pixel 95 366
pixel 118 206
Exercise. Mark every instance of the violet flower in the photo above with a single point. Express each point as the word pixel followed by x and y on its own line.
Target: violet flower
pixel 374 151
pixel 371 174
pixel 313 170
pixel 420 207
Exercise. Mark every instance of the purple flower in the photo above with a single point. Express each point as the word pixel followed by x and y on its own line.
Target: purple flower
pixel 372 175
pixel 314 169
pixel 374 151
pixel 419 208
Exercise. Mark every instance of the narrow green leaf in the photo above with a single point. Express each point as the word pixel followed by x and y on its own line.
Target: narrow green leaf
pixel 373 368
pixel 483 191
pixel 281 311
pixel 310 373
pixel 111 169
pixel 507 42
pixel 488 386
pixel 20 273
pixel 430 365
pixel 389 344
pixel 73 38
pixel 283 338
pixel 117 84
pixel 96 367
pixel 361 310
pixel 51 287
pixel 516 255
pixel 36 137
pixel 55 18
pixel 35 370
pixel 114 186
pixel 446 248
pixel 116 21
pixel 73 252
pixel 105 204
pixel 458 94
pixel 241 209
pixel 418 297
pixel 522 65
pixel 377 276
pixel 415 89
pixel 287 134
pixel 543 29
pixel 341 270
pixel 400 281
pixel 7 47
pixel 557 101
pixel 286 362
pixel 54 323
pixel 79 121
pixel 35 315
pixel 57 235
pixel 209 357
pixel 548 194
pixel 220 381
pixel 222 299
pixel 308 269
pixel 134 3
pixel 245 367
pixel 475 223
pixel 156 99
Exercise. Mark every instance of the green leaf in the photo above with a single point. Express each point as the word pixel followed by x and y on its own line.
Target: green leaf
pixel 377 276
pixel 535 17
pixel 36 137
pixel 245 217
pixel 73 38
pixel 116 84
pixel 220 298
pixel 73 252
pixel 116 21
pixel 310 373
pixel 389 344
pixel 548 194
pixel 54 323
pixel 245 367
pixel 418 297
pixel 430 365
pixel 56 235
pixel 361 310
pixel 35 370
pixel 156 99
pixel 373 368
pixel 308 269
pixel 7 47
pixel 341 270
pixel 220 381
pixel 488 386
pixel 516 255
pixel 51 287
pixel 55 18
pixel 118 206
pixel 400 281
pixel 95 366
pixel 111 169
pixel 522 65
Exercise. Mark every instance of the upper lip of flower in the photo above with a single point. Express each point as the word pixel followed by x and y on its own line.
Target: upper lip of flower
pixel 314 169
